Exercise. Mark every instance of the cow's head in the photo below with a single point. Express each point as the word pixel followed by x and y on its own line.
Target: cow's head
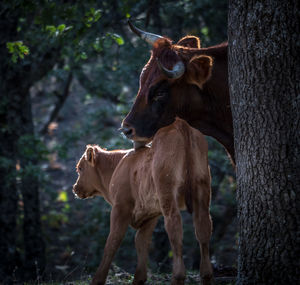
pixel 87 184
pixel 173 73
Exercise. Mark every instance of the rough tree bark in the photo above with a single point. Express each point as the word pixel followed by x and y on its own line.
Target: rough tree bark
pixel 264 79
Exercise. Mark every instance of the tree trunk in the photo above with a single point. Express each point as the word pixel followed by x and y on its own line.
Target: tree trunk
pixel 34 259
pixel 9 260
pixel 8 198
pixel 16 128
pixel 17 147
pixel 264 84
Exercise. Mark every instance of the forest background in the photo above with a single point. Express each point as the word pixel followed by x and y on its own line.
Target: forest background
pixel 69 74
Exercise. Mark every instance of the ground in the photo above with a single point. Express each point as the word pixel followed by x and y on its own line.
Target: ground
pixel 117 276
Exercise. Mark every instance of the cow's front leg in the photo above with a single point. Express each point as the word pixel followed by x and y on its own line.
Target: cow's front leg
pixel 142 243
pixel 119 221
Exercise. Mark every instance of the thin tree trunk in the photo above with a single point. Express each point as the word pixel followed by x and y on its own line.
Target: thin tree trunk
pixel 60 103
pixel 8 198
pixel 8 187
pixel 34 260
pixel 264 84
pixel 18 147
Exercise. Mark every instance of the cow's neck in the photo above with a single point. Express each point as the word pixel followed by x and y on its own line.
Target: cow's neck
pixel 209 125
pixel 214 118
pixel 217 121
pixel 106 164
pixel 216 131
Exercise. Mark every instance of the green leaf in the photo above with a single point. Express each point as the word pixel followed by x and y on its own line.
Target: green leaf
pixel 14 58
pixel 61 28
pixel 23 49
pixel 62 196
pixel 204 31
pixel 97 15
pixel 51 29
pixel 17 49
pixel 57 31
pixel 117 38
pixel 83 55
pixel 97 45
pixel 91 17
pixel 10 47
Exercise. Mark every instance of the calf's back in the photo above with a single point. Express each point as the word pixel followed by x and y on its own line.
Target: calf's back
pixel 174 166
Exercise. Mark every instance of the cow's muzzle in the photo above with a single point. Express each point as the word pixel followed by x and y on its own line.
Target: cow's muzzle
pixel 127 130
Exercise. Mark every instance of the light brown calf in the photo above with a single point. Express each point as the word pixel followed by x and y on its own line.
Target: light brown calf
pixel 144 184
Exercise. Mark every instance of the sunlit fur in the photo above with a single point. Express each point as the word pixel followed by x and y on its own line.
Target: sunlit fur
pixel 89 182
pixel 170 176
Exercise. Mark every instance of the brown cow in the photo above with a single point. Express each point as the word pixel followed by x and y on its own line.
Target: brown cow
pixel 179 80
pixel 171 175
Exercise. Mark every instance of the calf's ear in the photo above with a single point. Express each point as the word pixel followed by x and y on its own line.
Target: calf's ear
pixel 90 155
pixel 199 70
pixel 189 41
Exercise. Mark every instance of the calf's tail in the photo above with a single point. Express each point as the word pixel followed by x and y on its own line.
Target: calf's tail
pixel 189 179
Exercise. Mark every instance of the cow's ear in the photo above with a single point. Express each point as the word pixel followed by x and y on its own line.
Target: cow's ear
pixel 90 155
pixel 199 70
pixel 189 41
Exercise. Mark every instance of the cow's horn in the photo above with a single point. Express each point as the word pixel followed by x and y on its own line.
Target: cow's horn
pixel 148 37
pixel 176 72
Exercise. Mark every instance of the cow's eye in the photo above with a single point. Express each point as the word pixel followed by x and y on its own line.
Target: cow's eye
pixel 159 95
pixel 158 91
pixel 79 168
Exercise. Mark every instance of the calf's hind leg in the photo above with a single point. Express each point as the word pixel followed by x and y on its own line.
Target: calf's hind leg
pixel 203 228
pixel 142 243
pixel 173 226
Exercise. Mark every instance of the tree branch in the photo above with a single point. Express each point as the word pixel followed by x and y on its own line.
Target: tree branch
pixel 61 100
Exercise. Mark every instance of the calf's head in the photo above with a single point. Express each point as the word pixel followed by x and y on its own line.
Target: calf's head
pixel 88 183
pixel 172 76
